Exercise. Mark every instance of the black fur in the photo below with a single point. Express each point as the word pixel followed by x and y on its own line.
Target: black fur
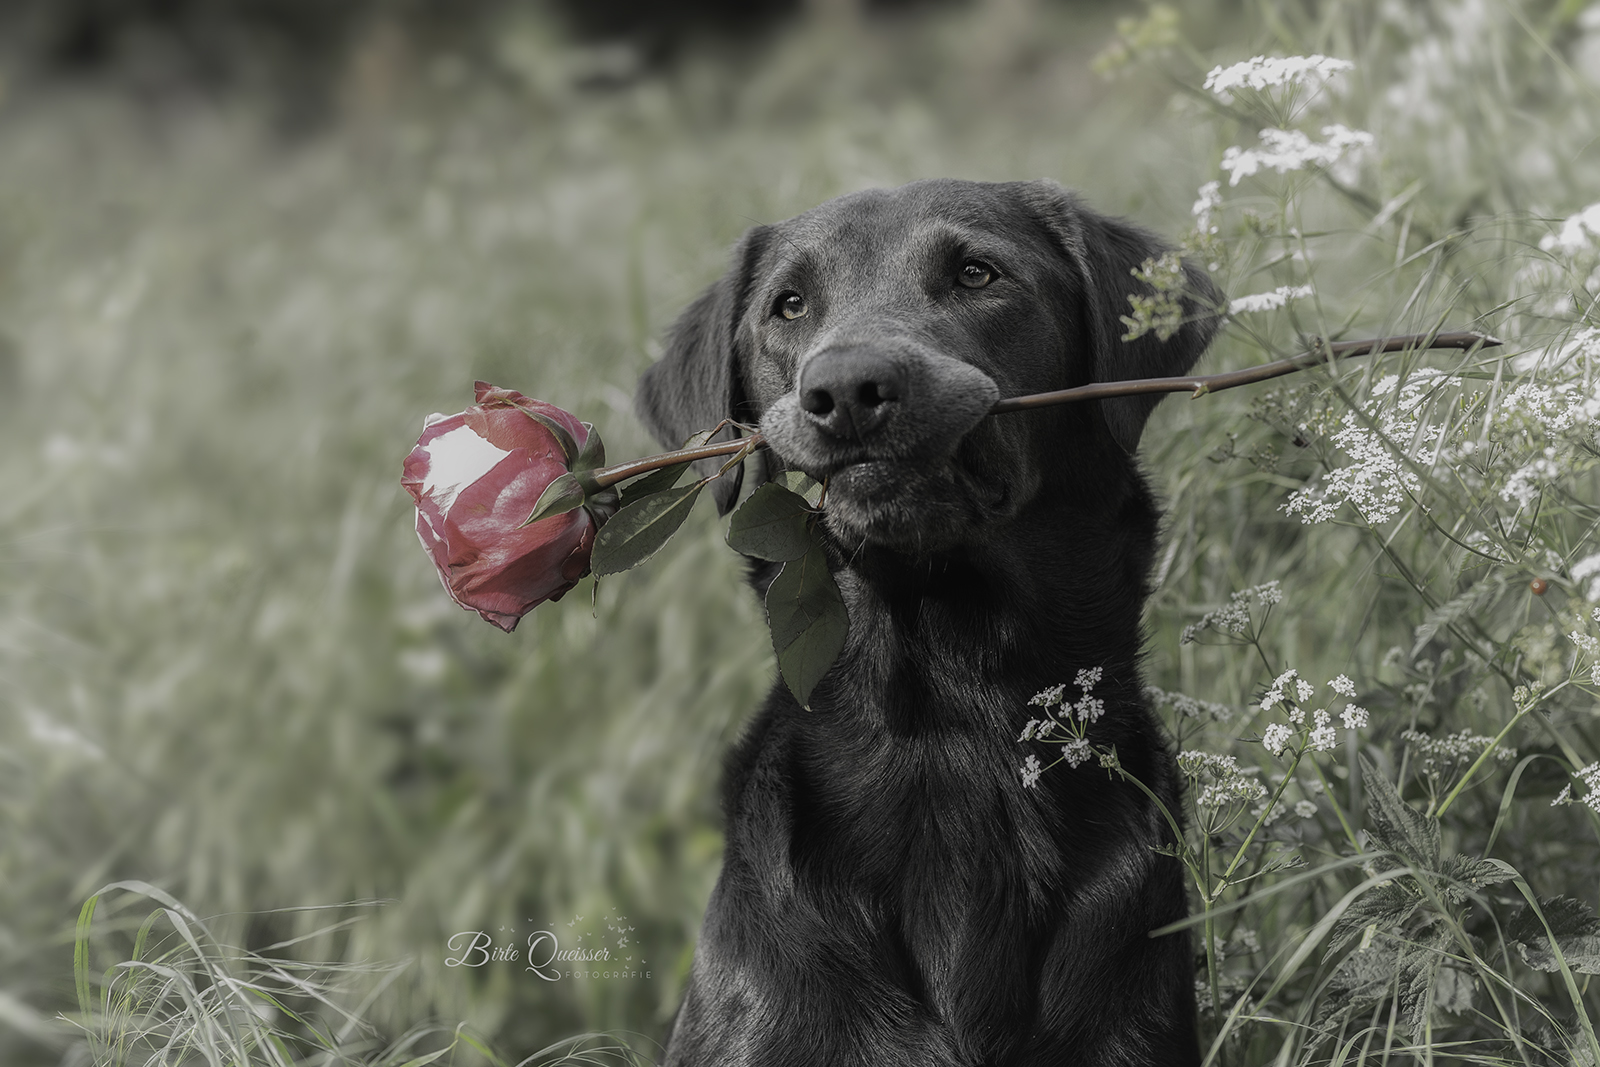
pixel 890 892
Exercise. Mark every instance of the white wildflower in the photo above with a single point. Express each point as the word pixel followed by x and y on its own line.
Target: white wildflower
pixel 1263 73
pixel 1322 736
pixel 1305 809
pixel 1584 642
pixel 1275 693
pixel 1076 751
pixel 1089 678
pixel 1089 708
pixel 1193 762
pixel 1354 718
pixel 1563 797
pixel 1188 706
pixel 1275 738
pixel 1206 207
pixel 1304 690
pixel 1234 617
pixel 1048 698
pixel 1526 481
pixel 1375 482
pixel 1031 771
pixel 1268 301
pixel 1267 817
pixel 1591 781
pixel 1583 570
pixel 1286 150
pixel 1439 757
pixel 1575 233
pixel 1027 731
pixel 1221 780
pixel 1343 686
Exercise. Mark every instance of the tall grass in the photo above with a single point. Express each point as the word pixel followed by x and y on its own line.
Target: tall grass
pixel 228 671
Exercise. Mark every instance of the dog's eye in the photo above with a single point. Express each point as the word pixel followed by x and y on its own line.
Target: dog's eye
pixel 790 306
pixel 975 274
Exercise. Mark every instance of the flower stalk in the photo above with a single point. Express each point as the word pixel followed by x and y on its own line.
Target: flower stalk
pixel 1197 385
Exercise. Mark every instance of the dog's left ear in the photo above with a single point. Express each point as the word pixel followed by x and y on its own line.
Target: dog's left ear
pixel 1106 252
pixel 697 384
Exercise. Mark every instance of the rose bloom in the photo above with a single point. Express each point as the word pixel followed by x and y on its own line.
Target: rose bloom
pixel 476 477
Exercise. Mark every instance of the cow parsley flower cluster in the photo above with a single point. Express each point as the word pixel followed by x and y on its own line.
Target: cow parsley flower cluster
pixel 1064 721
pixel 1268 301
pixel 1286 150
pixel 1234 616
pixel 1588 646
pixel 1439 758
pixel 1303 690
pixel 1590 776
pixel 1219 780
pixel 1187 706
pixel 1205 208
pixel 1291 692
pixel 1586 568
pixel 1577 233
pixel 1375 483
pixel 1573 262
pixel 1513 442
pixel 1262 73
pixel 1076 751
pixel 1031 770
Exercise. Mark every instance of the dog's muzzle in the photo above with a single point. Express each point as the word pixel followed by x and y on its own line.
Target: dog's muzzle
pixel 856 403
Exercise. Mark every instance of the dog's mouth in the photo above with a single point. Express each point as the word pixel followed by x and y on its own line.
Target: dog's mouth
pixel 911 507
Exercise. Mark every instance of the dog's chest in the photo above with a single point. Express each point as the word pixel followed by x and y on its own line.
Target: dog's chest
pixel 926 837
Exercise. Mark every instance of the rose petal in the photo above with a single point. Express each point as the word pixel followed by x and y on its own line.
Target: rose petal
pixel 456 459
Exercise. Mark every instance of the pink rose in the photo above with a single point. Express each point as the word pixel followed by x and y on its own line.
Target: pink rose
pixel 476 477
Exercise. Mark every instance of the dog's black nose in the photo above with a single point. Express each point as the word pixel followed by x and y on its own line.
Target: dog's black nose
pixel 850 393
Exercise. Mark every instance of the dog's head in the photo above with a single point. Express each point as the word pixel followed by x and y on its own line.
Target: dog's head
pixel 870 336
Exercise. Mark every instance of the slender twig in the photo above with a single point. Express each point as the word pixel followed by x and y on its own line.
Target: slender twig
pixel 623 471
pixel 1202 384
pixel 1198 385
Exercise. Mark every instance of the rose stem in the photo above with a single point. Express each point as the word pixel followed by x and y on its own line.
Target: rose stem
pixel 1199 385
pixel 1202 384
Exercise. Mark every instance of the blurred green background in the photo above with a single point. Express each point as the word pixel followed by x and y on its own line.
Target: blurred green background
pixel 246 247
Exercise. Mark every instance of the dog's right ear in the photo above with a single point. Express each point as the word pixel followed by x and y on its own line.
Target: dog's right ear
pixel 1106 252
pixel 697 383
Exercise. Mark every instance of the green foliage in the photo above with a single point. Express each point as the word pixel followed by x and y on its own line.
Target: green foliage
pixel 808 620
pixel 639 529
pixel 772 525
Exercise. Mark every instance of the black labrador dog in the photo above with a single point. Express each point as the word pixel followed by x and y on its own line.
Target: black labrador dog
pixel 891 892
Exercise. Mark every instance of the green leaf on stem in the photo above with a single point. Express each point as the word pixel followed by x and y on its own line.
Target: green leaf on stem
pixel 771 525
pixel 1395 825
pixel 638 530
pixel 808 621
pixel 802 483
pixel 1572 927
pixel 658 481
pixel 558 498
